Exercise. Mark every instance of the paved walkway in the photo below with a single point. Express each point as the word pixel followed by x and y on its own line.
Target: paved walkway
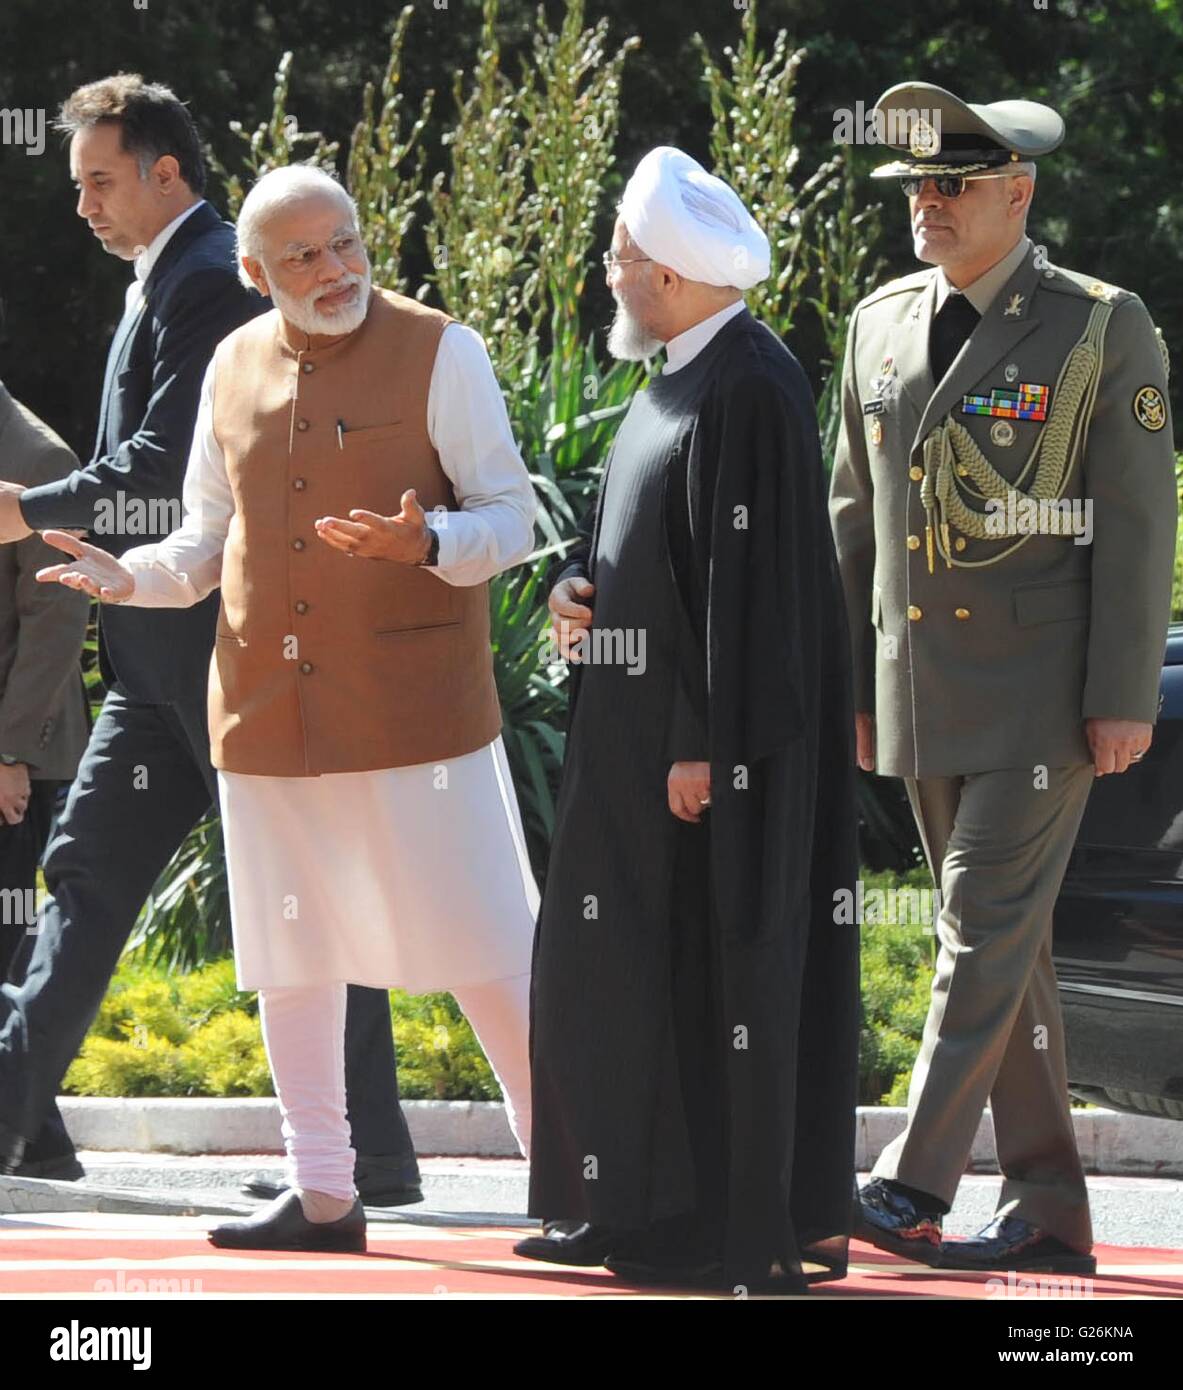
pixel 105 1255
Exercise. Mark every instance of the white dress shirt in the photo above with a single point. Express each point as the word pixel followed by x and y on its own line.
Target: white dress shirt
pixel 146 260
pixel 686 346
pixel 469 428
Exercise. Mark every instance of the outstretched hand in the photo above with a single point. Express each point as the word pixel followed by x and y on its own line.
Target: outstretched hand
pixel 92 570
pixel 403 537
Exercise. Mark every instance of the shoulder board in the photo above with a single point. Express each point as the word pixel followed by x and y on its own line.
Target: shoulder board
pixel 1054 277
pixel 916 281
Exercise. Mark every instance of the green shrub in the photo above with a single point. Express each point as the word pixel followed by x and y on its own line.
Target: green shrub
pixel 896 979
pixel 162 1034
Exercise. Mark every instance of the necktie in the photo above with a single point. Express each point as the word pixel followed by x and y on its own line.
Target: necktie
pixel 950 328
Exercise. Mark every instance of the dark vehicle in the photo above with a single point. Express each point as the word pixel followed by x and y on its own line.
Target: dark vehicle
pixel 1118 942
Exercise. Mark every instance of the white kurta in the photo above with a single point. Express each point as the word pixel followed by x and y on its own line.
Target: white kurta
pixel 413 876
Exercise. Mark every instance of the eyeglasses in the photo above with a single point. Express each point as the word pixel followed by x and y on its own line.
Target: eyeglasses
pixel 947 185
pixel 611 260
pixel 345 247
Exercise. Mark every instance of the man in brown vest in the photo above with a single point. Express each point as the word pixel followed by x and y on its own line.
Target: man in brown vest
pixel 372 835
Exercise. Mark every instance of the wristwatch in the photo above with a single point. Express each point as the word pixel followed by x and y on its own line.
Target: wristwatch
pixel 433 548
pixel 9 759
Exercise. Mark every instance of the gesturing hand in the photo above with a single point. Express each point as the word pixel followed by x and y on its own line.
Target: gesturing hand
pixel 403 538
pixel 92 570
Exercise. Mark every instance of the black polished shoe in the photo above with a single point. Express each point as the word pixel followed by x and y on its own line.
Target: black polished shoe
pixel 885 1218
pixel 58 1168
pixel 12 1148
pixel 674 1271
pixel 283 1226
pixel 1010 1243
pixel 379 1182
pixel 568 1243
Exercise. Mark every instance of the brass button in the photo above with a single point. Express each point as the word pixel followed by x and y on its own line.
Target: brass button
pixel 297 544
pixel 301 424
pixel 299 484
pixel 961 613
pixel 306 667
pixel 913 542
pixel 915 473
pixel 301 606
pixel 309 367
pixel 959 543
pixel 914 613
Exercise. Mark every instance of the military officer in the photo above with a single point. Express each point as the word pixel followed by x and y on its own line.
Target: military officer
pixel 1003 501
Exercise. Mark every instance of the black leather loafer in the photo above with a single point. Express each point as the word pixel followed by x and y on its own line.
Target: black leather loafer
pixel 283 1226
pixel 12 1148
pixel 379 1183
pixel 1009 1242
pixel 59 1168
pixel 890 1221
pixel 683 1271
pixel 568 1243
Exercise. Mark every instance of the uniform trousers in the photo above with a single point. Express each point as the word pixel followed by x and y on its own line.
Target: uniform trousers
pixel 998 844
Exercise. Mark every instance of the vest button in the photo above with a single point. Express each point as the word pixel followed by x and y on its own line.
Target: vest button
pixel 913 542
pixel 914 613
pixel 309 367
pixel 301 424
pixel 299 484
pixel 961 613
pixel 959 543
pixel 301 607
pixel 297 544
pixel 915 473
pixel 306 667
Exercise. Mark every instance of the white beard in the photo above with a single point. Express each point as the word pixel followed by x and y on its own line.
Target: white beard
pixel 627 338
pixel 304 315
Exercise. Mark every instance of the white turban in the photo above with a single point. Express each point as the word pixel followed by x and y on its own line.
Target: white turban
pixel 683 217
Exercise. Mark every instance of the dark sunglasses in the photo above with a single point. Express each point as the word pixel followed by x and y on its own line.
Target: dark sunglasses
pixel 947 185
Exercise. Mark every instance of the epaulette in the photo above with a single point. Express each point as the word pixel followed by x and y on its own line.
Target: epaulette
pixel 916 281
pixel 1055 277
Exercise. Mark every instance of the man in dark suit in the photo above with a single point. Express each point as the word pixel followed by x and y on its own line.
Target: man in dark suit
pixel 43 715
pixel 146 778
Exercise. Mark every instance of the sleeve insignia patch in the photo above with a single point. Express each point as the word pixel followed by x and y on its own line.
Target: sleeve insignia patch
pixel 1150 409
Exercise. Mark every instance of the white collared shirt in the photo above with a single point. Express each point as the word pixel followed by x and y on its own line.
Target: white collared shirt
pixel 686 346
pixel 146 260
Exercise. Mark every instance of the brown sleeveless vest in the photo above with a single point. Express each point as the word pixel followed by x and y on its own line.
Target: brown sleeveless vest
pixel 325 663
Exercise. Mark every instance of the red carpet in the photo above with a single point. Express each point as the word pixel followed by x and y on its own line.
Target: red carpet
pixel 97 1255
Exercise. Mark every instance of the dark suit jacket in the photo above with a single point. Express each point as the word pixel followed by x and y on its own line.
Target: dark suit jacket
pixel 43 715
pixel 191 301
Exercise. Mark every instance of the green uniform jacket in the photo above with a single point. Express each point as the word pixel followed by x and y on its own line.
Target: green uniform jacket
pixel 973 669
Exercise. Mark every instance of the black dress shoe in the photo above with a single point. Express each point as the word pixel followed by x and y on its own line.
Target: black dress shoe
pixel 283 1226
pixel 680 1271
pixel 379 1183
pixel 887 1219
pixel 1010 1243
pixel 58 1168
pixel 12 1148
pixel 568 1243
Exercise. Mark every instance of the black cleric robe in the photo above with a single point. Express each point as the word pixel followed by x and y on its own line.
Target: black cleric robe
pixel 722 639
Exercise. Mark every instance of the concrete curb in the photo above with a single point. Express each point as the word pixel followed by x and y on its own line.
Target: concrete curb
pixel 1109 1142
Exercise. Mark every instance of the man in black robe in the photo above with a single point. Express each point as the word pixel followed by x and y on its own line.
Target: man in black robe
pixel 695 1008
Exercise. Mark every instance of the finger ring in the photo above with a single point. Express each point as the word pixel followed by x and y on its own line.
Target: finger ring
pixel 703 802
pixel 1137 757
